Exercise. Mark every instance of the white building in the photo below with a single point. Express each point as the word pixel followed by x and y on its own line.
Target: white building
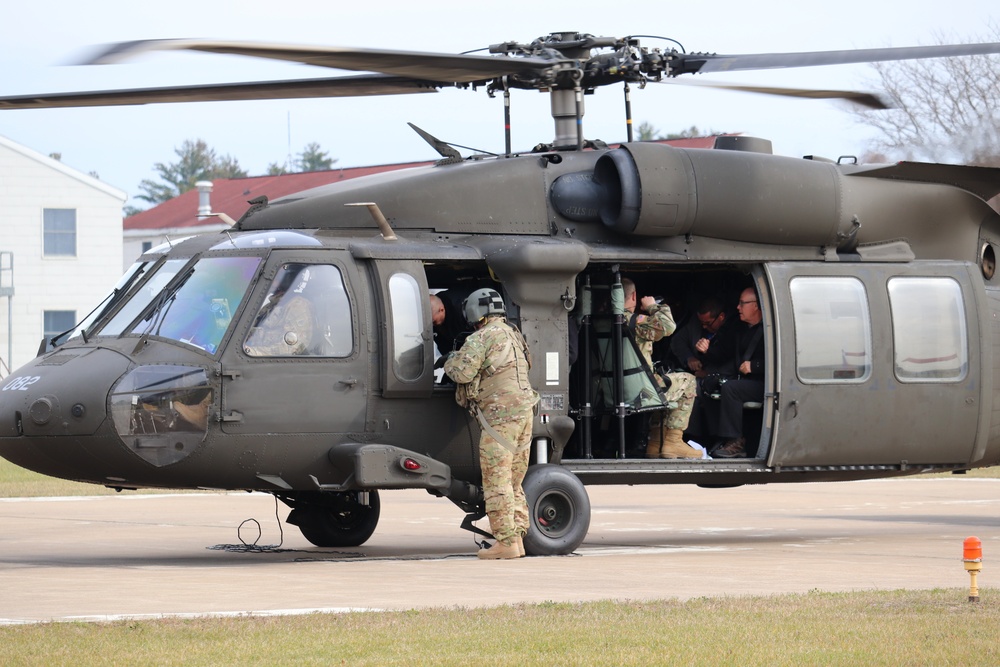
pixel 60 249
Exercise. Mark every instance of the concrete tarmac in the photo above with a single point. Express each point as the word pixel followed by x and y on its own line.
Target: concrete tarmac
pixel 143 556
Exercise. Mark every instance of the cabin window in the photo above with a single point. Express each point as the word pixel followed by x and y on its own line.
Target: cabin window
pixel 407 326
pixel 306 314
pixel 833 340
pixel 930 340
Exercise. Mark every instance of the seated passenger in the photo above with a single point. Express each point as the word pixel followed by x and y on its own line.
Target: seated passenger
pixel 748 385
pixel 705 345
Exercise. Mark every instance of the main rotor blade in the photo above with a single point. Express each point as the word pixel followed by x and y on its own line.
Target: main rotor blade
pixel 445 67
pixel 689 63
pixel 867 100
pixel 348 86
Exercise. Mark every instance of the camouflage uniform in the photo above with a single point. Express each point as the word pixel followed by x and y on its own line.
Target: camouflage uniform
pixel 491 370
pixel 282 330
pixel 683 386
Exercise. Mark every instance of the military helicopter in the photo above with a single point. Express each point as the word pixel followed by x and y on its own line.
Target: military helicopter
pixel 876 285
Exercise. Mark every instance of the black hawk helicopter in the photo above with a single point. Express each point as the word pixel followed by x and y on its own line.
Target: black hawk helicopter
pixel 876 287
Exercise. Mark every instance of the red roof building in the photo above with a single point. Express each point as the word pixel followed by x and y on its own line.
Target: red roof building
pixel 179 217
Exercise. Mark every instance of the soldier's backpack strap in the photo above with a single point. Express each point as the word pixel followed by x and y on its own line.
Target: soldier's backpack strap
pixel 519 337
pixel 493 434
pixel 633 321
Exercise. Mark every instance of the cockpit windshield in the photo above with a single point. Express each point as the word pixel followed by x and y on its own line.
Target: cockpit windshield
pixel 192 304
pixel 111 300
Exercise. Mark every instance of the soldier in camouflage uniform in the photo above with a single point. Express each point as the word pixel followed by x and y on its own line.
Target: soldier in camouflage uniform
pixel 491 371
pixel 652 324
pixel 284 326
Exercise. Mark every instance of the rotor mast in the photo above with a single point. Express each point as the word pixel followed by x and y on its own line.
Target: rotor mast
pixel 571 57
pixel 567 115
pixel 566 102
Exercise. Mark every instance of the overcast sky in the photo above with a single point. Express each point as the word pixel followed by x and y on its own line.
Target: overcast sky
pixel 40 40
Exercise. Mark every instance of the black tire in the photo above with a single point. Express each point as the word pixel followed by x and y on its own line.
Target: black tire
pixel 559 510
pixel 343 523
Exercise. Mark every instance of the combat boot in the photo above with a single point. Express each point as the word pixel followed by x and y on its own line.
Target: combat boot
pixel 500 551
pixel 674 446
pixel 654 441
pixel 519 540
pixel 653 446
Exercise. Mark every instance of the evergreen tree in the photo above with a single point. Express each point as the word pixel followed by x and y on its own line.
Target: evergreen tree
pixel 197 162
pixel 312 158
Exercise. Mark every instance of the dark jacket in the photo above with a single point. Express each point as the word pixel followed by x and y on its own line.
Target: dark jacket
pixel 448 332
pixel 721 348
pixel 750 347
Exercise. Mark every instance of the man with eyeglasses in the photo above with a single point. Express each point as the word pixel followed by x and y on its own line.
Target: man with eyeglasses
pixel 705 344
pixel 749 383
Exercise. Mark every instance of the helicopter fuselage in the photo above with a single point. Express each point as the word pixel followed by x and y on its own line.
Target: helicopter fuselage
pixel 876 288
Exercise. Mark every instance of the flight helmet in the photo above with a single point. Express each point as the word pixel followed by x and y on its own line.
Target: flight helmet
pixel 481 303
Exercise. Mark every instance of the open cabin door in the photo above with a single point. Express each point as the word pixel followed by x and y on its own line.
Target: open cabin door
pixel 410 410
pixel 877 364
pixel 407 368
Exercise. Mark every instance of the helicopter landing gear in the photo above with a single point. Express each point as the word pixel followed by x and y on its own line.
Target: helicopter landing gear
pixel 559 510
pixel 339 519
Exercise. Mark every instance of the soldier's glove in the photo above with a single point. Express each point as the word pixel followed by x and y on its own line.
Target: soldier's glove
pixel 443 358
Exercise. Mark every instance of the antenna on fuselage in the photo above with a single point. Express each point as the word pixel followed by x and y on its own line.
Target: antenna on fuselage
pixel 376 213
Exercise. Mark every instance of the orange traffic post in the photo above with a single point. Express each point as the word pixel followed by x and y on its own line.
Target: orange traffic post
pixel 972 555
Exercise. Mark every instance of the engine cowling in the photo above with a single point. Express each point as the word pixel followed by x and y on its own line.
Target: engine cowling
pixel 656 190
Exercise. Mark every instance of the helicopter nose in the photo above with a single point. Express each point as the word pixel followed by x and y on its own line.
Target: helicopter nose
pixel 61 394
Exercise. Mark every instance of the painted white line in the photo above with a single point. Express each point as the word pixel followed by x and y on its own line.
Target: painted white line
pixel 113 618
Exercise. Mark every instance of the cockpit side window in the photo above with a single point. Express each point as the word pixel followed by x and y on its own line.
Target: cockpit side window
pixel 306 314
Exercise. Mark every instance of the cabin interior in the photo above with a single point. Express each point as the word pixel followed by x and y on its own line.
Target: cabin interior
pixel 599 432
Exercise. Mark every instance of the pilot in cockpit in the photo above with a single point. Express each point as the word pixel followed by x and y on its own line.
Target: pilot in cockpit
pixel 285 323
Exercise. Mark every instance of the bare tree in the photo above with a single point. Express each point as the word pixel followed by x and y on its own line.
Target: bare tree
pixel 948 109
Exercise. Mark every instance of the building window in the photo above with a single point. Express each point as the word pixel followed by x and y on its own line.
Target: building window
pixel 59 232
pixel 146 245
pixel 57 321
pixel 833 335
pixel 929 334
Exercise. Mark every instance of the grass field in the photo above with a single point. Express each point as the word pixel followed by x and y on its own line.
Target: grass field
pixel 16 482
pixel 936 627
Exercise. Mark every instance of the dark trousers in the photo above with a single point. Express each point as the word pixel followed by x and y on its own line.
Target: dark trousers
pixel 732 396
